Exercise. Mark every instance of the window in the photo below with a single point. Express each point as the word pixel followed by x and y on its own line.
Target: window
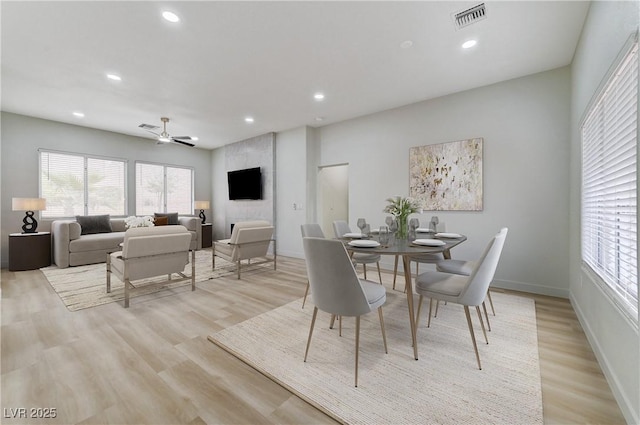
pixel 163 188
pixel 76 184
pixel 609 183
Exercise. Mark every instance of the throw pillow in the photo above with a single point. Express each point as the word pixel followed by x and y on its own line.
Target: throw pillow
pixel 91 224
pixel 161 221
pixel 173 217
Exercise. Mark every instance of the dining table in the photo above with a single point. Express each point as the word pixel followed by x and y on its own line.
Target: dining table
pixel 406 248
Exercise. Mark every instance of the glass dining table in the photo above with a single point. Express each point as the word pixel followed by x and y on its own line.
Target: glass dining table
pixel 406 248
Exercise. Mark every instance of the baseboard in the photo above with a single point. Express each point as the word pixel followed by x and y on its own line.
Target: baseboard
pixel 531 288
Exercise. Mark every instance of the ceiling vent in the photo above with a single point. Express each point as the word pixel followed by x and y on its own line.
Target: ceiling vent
pixel 470 16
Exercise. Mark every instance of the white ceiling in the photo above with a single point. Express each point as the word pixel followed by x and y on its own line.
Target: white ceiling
pixel 227 60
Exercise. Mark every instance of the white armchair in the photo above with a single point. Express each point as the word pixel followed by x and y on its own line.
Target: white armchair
pixel 249 240
pixel 149 252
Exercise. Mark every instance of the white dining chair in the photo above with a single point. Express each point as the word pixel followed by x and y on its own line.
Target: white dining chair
pixel 469 291
pixel 336 288
pixel 310 230
pixel 340 228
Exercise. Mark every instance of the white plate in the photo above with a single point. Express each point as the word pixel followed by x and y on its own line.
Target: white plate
pixel 423 230
pixel 375 231
pixel 429 242
pixel 448 235
pixel 365 244
pixel 352 235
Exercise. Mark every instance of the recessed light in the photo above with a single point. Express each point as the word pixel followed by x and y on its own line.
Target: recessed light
pixel 78 114
pixel 170 16
pixel 114 77
pixel 318 96
pixel 406 44
pixel 249 119
pixel 194 138
pixel 319 118
pixel 468 44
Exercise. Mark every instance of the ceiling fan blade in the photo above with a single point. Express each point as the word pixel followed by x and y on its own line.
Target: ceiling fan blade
pixel 173 139
pixel 181 137
pixel 149 127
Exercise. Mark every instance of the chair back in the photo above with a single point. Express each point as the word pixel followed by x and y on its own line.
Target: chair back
pixel 340 227
pixel 246 225
pixel 335 287
pixel 312 230
pixel 146 241
pixel 480 279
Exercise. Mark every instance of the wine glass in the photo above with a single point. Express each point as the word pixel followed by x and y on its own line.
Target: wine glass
pixel 383 235
pixel 361 223
pixel 414 223
pixel 388 220
pixel 393 227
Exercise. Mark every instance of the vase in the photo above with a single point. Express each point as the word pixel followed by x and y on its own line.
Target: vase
pixel 403 227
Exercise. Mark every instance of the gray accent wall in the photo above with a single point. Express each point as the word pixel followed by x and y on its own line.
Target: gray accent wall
pixel 22 136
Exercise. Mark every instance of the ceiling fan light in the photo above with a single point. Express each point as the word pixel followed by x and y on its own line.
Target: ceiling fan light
pixel 164 139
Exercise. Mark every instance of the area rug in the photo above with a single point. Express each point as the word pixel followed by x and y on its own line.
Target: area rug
pixel 82 287
pixel 443 387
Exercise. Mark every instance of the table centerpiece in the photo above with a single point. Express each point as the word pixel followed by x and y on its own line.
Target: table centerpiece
pixel 401 208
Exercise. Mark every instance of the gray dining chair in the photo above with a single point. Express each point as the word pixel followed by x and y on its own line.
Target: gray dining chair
pixel 340 228
pixel 465 268
pixel 310 230
pixel 469 291
pixel 337 290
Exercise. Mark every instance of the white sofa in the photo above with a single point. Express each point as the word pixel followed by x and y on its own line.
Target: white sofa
pixel 71 248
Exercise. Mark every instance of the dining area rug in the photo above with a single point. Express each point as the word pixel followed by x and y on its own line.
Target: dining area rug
pixel 81 287
pixel 444 386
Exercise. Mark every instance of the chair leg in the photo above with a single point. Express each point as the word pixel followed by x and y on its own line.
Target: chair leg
pixel 486 315
pixel 473 337
pixel 238 269
pixel 437 305
pixel 126 292
pixel 364 266
pixel 491 302
pixel 313 322
pixel 306 291
pixel 108 273
pixel 484 331
pixel 339 325
pixel 357 345
pixel 419 308
pixel 333 320
pixel 430 306
pixel 193 270
pixel 379 274
pixel 384 335
pixel 395 271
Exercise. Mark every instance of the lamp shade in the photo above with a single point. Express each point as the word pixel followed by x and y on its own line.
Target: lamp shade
pixel 28 204
pixel 202 205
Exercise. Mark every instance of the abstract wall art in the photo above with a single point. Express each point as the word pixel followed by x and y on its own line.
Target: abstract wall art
pixel 447 176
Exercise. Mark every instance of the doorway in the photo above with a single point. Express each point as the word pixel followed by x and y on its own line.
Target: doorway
pixel 333 196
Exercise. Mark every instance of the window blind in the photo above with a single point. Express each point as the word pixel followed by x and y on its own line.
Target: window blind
pixel 163 188
pixel 609 183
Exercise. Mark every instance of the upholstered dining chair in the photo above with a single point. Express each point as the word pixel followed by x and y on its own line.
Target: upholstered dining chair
pixel 337 290
pixel 310 230
pixel 469 291
pixel 465 268
pixel 341 227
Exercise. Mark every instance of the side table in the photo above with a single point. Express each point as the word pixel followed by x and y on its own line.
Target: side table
pixel 207 235
pixel 29 251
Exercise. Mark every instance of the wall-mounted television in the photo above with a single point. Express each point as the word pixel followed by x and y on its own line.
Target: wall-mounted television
pixel 245 184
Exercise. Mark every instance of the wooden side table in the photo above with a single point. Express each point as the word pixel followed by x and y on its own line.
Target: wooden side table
pixel 29 251
pixel 207 235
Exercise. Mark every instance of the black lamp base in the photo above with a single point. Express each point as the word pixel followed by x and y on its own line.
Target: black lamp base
pixel 30 223
pixel 201 215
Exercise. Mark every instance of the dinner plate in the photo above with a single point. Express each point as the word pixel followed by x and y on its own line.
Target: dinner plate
pixel 364 244
pixel 423 230
pixel 448 235
pixel 429 242
pixel 352 235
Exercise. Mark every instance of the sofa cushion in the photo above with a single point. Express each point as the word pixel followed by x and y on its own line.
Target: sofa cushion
pixel 161 221
pixel 97 241
pixel 173 217
pixel 91 224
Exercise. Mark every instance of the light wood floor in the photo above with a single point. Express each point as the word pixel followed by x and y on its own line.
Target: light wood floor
pixel 152 363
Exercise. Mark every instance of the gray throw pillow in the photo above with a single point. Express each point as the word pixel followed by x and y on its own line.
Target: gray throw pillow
pixel 173 217
pixel 90 224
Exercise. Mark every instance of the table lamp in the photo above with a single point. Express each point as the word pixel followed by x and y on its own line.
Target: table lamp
pixel 29 205
pixel 202 205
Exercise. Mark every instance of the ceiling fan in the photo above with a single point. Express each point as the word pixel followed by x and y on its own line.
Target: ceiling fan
pixel 165 137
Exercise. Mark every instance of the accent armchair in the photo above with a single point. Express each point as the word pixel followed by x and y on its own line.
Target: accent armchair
pixel 152 251
pixel 249 240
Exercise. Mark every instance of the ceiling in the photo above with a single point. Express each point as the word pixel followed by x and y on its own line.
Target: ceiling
pixel 225 61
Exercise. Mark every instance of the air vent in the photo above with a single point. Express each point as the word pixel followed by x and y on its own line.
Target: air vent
pixel 470 16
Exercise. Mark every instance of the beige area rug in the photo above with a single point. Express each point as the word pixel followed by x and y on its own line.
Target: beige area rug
pixel 443 387
pixel 85 286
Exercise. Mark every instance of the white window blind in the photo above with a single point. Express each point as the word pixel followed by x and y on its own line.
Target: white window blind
pixel 163 188
pixel 76 184
pixel 609 183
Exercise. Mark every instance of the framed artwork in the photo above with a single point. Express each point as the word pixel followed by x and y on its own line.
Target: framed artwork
pixel 447 176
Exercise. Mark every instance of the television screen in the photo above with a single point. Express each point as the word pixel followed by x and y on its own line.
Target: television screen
pixel 245 184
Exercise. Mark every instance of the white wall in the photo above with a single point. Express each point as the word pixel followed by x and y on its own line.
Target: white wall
pixel 613 338
pixel 22 136
pixel 525 126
